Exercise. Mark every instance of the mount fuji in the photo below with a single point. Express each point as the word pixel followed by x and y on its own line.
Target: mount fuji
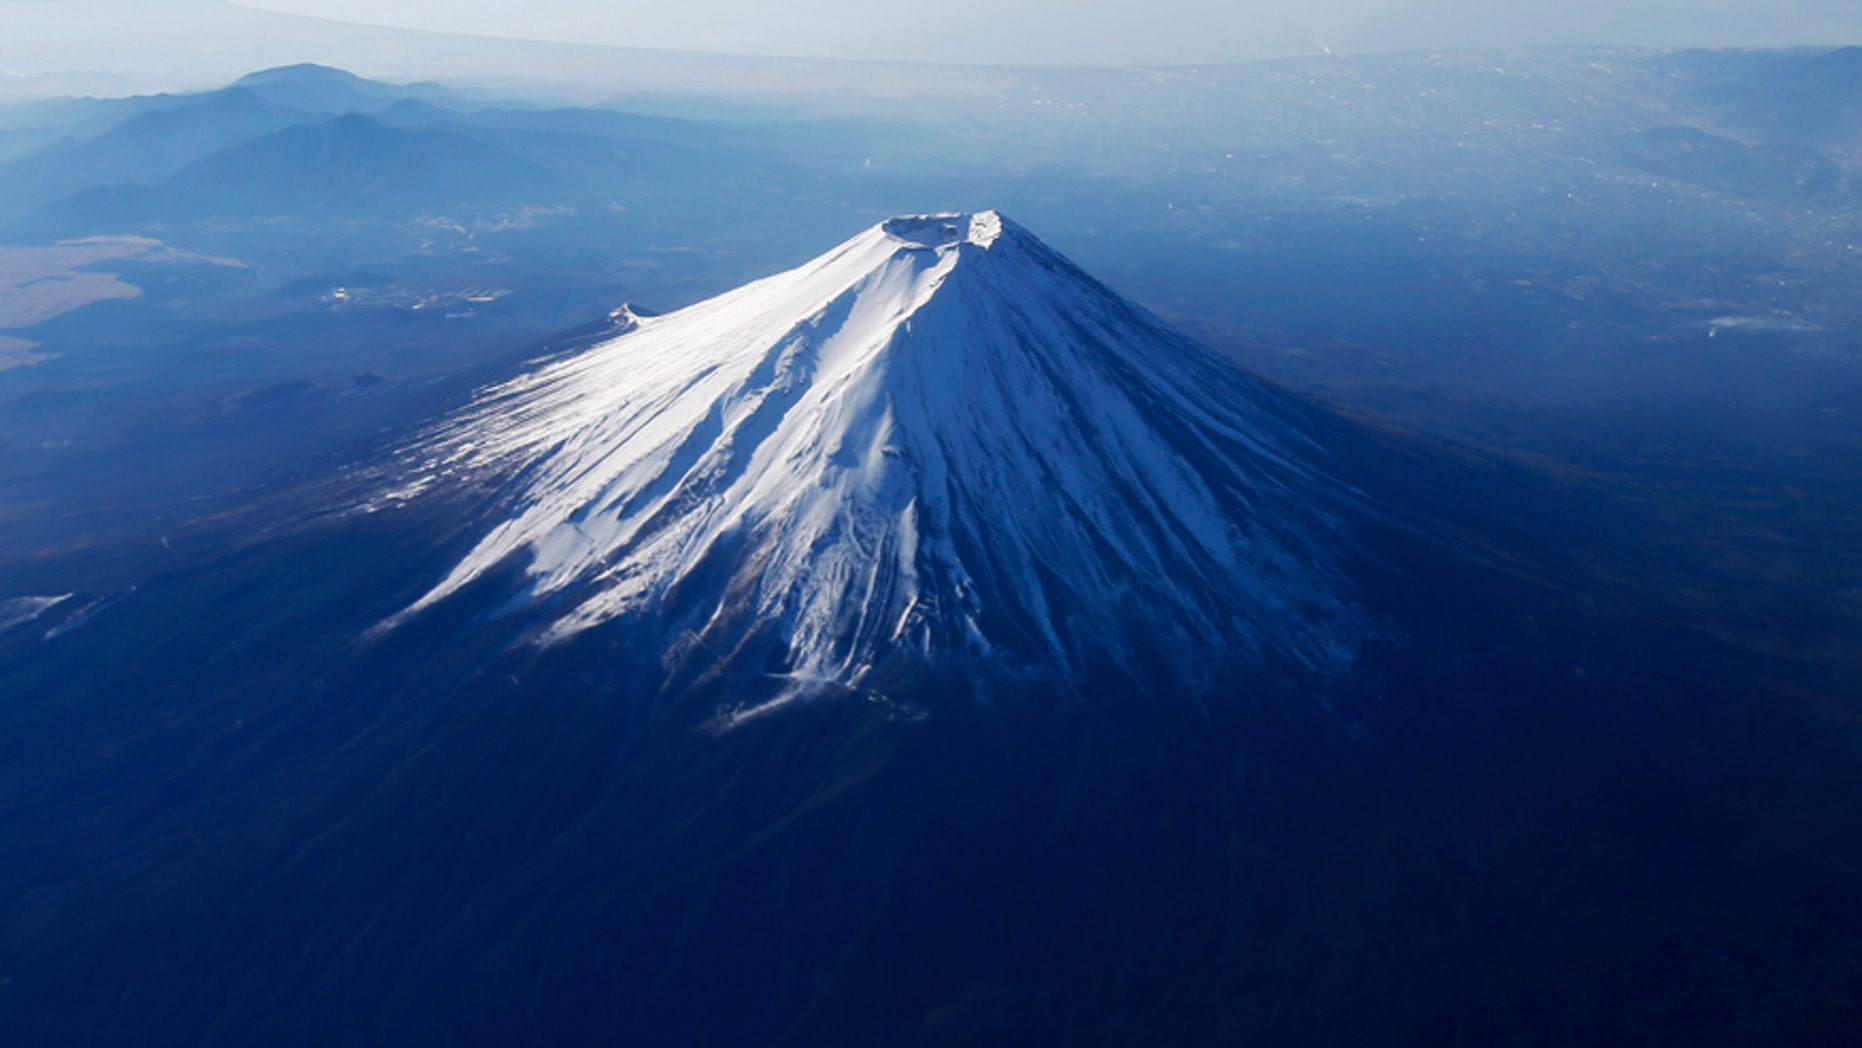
pixel 940 444
pixel 924 646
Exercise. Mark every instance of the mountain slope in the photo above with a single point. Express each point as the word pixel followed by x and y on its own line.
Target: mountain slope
pixel 353 166
pixel 349 168
pixel 938 443
pixel 146 148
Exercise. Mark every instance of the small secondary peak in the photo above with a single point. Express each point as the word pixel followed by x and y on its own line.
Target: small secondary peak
pixel 981 228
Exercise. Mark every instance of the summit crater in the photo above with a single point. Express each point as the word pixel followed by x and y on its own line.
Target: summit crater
pixel 946 229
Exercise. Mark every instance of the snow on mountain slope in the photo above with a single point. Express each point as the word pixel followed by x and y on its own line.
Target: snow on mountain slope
pixel 21 610
pixel 939 441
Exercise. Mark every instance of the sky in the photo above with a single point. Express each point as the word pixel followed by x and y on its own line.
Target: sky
pixel 1108 32
pixel 116 47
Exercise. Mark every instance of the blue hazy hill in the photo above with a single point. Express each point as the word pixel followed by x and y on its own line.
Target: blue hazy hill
pixel 147 148
pixel 351 167
pixel 323 89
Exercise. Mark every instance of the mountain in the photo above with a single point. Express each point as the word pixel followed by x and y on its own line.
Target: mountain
pixel 351 167
pixel 1801 95
pixel 1076 687
pixel 938 443
pixel 81 131
pixel 146 148
pixel 323 89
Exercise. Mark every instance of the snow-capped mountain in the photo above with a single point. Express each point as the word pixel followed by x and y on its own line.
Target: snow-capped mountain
pixel 541 803
pixel 940 442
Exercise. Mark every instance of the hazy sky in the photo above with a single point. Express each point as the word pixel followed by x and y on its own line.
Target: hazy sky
pixel 1108 31
pixel 51 47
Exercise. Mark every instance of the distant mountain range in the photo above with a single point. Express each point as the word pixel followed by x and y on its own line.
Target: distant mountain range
pixel 350 167
pixel 149 147
pixel 319 143
pixel 321 89
pixel 1806 96
pixel 1700 119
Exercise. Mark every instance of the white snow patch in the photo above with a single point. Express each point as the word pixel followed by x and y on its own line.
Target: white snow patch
pixel 83 616
pixel 944 229
pixel 18 611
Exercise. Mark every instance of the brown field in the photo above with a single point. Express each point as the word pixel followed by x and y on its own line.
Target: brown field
pixel 39 283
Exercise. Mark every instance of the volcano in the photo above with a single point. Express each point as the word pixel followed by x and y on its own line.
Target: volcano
pixel 939 444
pixel 922 646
